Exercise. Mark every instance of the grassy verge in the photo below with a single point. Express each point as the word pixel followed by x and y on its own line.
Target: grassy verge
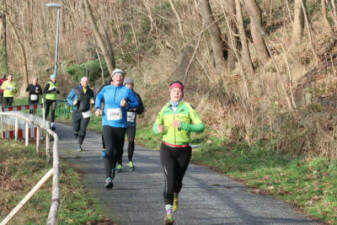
pixel 307 183
pixel 20 170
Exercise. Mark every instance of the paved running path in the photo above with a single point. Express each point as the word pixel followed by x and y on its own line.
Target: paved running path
pixel 207 198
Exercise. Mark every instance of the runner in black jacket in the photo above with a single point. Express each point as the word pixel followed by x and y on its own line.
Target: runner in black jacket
pixel 34 91
pixel 131 126
pixel 81 97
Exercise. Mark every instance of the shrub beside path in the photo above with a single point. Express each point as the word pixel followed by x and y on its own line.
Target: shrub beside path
pixel 206 198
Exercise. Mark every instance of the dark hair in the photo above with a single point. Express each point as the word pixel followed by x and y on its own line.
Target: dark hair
pixel 4 75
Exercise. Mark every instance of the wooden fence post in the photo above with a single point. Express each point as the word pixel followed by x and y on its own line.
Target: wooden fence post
pixel 27 134
pixel 16 128
pixel 38 132
pixel 47 146
pixel 2 127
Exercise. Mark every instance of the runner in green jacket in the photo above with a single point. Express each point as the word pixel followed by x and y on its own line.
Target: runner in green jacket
pixel 176 120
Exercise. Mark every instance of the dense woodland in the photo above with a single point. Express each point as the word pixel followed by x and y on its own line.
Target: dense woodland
pixel 256 70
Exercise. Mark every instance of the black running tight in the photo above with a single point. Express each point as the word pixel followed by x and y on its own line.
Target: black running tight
pixel 174 162
pixel 113 140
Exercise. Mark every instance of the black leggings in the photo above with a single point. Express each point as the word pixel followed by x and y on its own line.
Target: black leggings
pixel 80 126
pixel 50 104
pixel 32 103
pixel 8 101
pixel 131 134
pixel 174 162
pixel 113 140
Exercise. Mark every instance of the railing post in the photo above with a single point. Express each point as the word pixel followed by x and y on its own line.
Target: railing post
pixel 2 126
pixel 53 211
pixel 47 146
pixel 38 132
pixel 16 132
pixel 27 134
pixel 43 110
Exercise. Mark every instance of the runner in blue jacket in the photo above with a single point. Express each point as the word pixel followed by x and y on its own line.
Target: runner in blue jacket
pixel 117 100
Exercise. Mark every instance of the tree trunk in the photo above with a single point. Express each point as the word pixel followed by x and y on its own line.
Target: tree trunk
pixel 245 54
pixel 3 42
pixel 214 31
pixel 24 57
pixel 257 30
pixel 232 29
pixel 99 39
pixel 298 21
pixel 178 19
pixel 334 12
pixel 325 17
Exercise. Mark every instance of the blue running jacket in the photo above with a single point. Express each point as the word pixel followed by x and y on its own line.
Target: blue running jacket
pixel 113 114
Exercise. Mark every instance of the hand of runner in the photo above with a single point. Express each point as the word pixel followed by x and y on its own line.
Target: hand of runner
pixel 92 101
pixel 98 112
pixel 123 103
pixel 176 123
pixel 160 128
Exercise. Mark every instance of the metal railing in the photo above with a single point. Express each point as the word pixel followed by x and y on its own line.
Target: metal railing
pixel 40 124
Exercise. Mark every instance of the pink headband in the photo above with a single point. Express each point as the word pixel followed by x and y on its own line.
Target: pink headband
pixel 177 85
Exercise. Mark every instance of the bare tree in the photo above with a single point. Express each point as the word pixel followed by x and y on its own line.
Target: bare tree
pixel 324 14
pixel 298 24
pixel 24 55
pixel 3 39
pixel 232 30
pixel 334 12
pixel 178 19
pixel 214 31
pixel 245 54
pixel 107 54
pixel 257 30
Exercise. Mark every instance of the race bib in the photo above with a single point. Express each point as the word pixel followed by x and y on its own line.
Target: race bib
pixel 114 114
pixel 131 117
pixel 33 97
pixel 86 114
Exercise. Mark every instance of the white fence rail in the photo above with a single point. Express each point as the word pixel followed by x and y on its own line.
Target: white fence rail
pixel 14 119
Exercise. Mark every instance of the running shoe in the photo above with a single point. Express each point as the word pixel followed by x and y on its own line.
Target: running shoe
pixel 119 168
pixel 108 183
pixel 175 202
pixel 79 148
pixel 131 166
pixel 168 219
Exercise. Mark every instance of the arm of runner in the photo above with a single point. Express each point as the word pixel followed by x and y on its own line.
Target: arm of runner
pixel 99 99
pixel 196 126
pixel 140 108
pixel 158 126
pixel 132 100
pixel 70 97
pixel 45 91
pixel 15 88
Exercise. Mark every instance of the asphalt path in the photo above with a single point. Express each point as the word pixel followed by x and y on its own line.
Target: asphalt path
pixel 207 198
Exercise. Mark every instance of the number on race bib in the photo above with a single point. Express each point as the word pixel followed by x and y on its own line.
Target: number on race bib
pixel 33 97
pixel 131 116
pixel 86 114
pixel 114 114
